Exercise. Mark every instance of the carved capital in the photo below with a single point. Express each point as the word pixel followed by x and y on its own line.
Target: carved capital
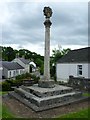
pixel 47 23
pixel 47 12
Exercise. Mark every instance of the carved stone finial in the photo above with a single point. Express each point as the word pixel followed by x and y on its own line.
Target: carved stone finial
pixel 47 12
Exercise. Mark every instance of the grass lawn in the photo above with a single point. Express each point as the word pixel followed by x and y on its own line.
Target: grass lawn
pixel 86 94
pixel 4 111
pixel 2 93
pixel 80 114
pixel 0 110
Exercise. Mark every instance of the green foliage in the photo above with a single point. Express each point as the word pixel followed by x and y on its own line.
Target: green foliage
pixel 57 54
pixel 40 63
pixel 86 94
pixel 8 53
pixel 80 114
pixel 6 113
pixel 0 110
pixel 8 84
pixel 23 76
pixel 3 93
pixel 26 76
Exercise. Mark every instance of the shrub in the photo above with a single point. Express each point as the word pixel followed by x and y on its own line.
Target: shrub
pixel 6 86
pixel 23 76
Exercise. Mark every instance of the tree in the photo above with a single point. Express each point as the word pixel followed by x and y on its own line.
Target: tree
pixel 8 53
pixel 40 63
pixel 57 54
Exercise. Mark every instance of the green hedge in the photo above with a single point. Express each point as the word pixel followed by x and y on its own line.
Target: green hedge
pixel 27 75
pixel 8 84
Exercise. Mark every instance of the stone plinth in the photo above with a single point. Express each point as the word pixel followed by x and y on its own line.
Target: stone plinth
pixel 39 98
pixel 46 84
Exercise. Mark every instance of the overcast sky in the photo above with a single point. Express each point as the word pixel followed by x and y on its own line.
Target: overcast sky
pixel 22 25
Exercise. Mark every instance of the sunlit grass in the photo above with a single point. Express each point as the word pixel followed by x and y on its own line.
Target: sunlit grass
pixel 0 110
pixel 2 93
pixel 80 114
pixel 86 94
pixel 6 113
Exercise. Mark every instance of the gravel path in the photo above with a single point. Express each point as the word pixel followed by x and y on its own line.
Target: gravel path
pixel 22 111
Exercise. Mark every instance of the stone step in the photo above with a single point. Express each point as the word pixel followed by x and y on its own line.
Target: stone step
pixel 46 107
pixel 47 100
pixel 45 92
pixel 23 100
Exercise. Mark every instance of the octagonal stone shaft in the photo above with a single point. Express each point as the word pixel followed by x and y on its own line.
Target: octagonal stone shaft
pixel 47 24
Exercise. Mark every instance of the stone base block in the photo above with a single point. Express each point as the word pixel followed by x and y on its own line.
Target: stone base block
pixel 39 98
pixel 46 92
pixel 46 84
pixel 37 108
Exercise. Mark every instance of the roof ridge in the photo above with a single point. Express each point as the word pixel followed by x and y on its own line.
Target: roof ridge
pixel 75 56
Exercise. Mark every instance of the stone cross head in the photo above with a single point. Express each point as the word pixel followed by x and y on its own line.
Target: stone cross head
pixel 47 12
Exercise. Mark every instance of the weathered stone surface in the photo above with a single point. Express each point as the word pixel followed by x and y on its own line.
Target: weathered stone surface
pixel 45 98
pixel 45 92
pixel 44 105
pixel 80 83
pixel 48 13
pixel 46 83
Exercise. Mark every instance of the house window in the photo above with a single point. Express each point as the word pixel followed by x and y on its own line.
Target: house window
pixel 10 73
pixel 17 72
pixel 79 69
pixel 14 73
pixel 20 72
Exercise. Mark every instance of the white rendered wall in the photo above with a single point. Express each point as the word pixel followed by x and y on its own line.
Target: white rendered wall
pixel 12 73
pixel 85 70
pixel 63 71
pixel 5 72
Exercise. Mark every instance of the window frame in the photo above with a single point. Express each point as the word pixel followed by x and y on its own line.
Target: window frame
pixel 79 70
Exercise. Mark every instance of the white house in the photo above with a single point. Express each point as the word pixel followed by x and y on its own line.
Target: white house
pixel 11 69
pixel 75 63
pixel 27 64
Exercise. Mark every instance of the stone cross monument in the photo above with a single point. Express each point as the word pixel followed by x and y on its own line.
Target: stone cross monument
pixel 46 94
pixel 48 13
pixel 47 82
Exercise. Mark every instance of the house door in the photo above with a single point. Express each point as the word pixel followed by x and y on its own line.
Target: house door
pixel 30 69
